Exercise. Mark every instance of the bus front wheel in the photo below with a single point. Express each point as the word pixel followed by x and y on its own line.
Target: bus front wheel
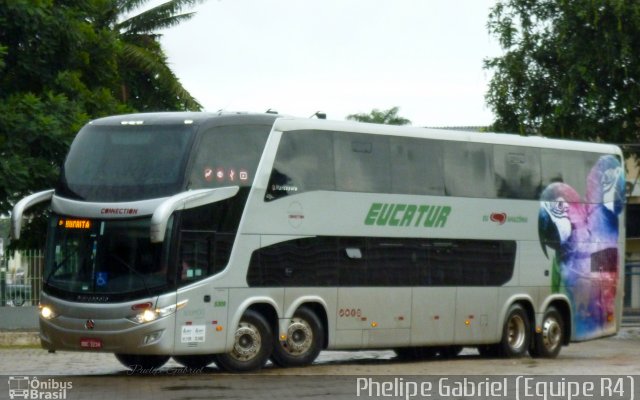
pixel 305 337
pixel 142 363
pixel 547 343
pixel 252 345
pixel 516 333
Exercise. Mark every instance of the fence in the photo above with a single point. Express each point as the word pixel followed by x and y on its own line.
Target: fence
pixel 21 279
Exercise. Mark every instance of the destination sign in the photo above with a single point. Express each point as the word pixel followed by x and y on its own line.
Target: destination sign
pixel 74 223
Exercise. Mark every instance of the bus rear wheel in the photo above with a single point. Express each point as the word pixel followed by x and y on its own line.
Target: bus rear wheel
pixel 142 363
pixel 305 338
pixel 195 361
pixel 516 333
pixel 252 345
pixel 547 343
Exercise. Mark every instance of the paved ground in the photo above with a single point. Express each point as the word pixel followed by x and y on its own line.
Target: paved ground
pixel 335 375
pixel 615 355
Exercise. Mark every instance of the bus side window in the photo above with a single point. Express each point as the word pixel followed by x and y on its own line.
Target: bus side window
pixel 227 155
pixel 352 262
pixel 518 174
pixel 416 166
pixel 469 169
pixel 304 162
pixel 570 167
pixel 194 256
pixel 203 254
pixel 362 163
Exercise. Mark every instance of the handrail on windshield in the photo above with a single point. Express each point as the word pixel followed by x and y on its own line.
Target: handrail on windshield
pixel 184 201
pixel 22 206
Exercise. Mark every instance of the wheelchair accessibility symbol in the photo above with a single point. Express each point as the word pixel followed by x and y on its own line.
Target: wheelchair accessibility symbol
pixel 101 279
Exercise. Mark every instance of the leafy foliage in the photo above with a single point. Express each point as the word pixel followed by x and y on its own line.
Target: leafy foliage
pixel 64 62
pixel 389 117
pixel 146 81
pixel 3 51
pixel 570 68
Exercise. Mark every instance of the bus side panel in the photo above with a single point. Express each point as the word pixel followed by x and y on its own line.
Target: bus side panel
pixel 534 269
pixel 385 320
pixel 475 317
pixel 433 312
pixel 200 323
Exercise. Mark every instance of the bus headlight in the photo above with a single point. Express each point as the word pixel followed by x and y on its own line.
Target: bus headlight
pixel 149 315
pixel 47 313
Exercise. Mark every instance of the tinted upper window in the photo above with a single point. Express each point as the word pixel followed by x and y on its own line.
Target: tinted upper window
pixel 121 163
pixel 304 162
pixel 362 162
pixel 517 170
pixel 228 155
pixel 469 169
pixel 570 167
pixel 416 166
pixel 355 162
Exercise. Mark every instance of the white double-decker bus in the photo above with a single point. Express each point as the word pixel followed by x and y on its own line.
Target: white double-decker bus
pixel 239 238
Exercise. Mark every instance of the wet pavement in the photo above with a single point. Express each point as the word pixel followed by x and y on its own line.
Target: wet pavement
pixel 618 355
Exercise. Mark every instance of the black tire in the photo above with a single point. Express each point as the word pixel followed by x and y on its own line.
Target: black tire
pixel 489 350
pixel 305 339
pixel 195 361
pixel 547 344
pixel 516 333
pixel 142 363
pixel 416 353
pixel 252 345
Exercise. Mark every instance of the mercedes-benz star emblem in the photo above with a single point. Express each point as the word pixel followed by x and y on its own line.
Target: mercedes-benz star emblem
pixel 90 324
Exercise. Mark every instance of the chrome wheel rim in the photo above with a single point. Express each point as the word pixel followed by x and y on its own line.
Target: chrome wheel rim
pixel 516 331
pixel 247 342
pixel 299 337
pixel 551 334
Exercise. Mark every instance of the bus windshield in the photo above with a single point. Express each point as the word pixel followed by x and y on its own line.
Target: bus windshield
pixel 123 163
pixel 97 257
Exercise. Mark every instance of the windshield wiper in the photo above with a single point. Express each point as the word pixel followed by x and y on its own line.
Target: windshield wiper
pixel 135 271
pixel 56 267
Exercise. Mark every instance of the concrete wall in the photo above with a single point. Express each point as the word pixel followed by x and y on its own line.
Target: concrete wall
pixel 18 318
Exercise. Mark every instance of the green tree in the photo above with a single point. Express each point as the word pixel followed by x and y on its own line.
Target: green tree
pixel 56 71
pixel 146 81
pixel 63 62
pixel 3 51
pixel 389 117
pixel 570 69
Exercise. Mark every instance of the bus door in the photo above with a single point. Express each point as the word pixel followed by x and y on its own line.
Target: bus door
pixel 199 322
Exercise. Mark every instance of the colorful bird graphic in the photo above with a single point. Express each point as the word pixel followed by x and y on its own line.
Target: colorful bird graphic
pixel 584 235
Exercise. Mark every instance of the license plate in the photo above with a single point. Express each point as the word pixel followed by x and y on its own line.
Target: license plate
pixel 91 343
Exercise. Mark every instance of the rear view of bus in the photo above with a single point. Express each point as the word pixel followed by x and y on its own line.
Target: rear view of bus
pixel 145 204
